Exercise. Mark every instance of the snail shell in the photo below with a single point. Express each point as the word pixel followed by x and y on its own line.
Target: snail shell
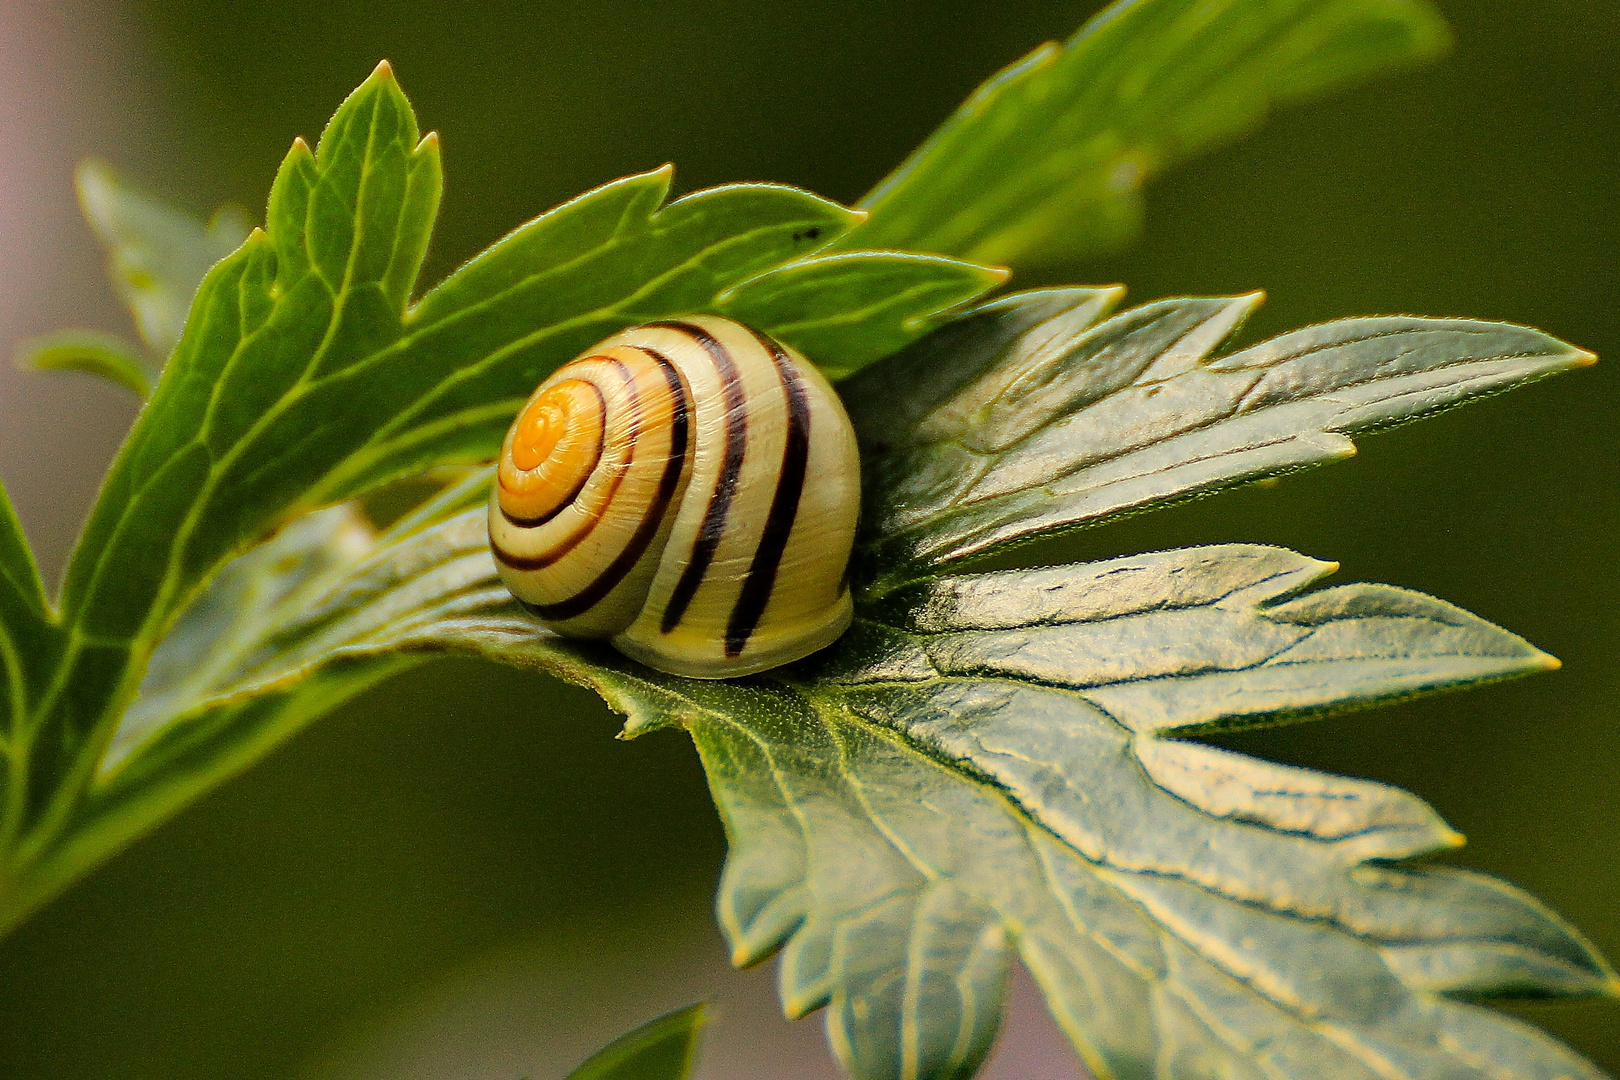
pixel 687 489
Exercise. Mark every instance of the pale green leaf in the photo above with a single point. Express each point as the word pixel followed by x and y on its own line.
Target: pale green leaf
pixel 989 763
pixel 157 254
pixel 91 352
pixel 1029 415
pixel 984 764
pixel 1047 159
pixel 255 594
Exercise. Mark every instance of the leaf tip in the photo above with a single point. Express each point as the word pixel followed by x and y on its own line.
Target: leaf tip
pixel 429 143
pixel 383 72
pixel 1582 357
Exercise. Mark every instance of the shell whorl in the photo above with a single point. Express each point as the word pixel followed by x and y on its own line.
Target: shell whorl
pixel 688 489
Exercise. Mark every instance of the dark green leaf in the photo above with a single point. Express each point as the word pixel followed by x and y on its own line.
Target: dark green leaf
pixel 22 594
pixel 210 467
pixel 1047 159
pixel 27 631
pixel 1029 415
pixel 662 1050
pixel 157 254
pixel 91 352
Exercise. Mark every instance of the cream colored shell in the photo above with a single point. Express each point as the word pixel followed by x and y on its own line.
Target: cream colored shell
pixel 712 535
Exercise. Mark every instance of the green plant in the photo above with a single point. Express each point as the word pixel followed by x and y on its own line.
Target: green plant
pixel 996 748
pixel 663 1049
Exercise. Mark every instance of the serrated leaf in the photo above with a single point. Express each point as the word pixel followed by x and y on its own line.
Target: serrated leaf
pixel 1047 159
pixel 157 254
pixel 243 605
pixel 91 352
pixel 1029 415
pixel 664 1049
pixel 304 378
pixel 983 764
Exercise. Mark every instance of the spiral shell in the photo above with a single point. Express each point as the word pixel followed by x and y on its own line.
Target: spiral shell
pixel 688 489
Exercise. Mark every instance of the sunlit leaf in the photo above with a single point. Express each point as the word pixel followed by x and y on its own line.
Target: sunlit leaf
pixel 985 764
pixel 90 352
pixel 868 323
pixel 1047 159
pixel 989 763
pixel 1030 415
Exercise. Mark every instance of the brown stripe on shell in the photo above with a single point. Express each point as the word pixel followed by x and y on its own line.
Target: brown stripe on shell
pixel 651 520
pixel 761 579
pixel 713 528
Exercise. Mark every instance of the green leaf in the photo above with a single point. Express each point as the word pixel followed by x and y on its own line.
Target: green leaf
pixel 91 352
pixel 186 748
pixel 1047 159
pixel 662 1050
pixel 28 636
pixel 304 378
pixel 1030 415
pixel 283 635
pixel 857 307
pixel 253 597
pixel 989 762
pixel 157 254
pixel 985 763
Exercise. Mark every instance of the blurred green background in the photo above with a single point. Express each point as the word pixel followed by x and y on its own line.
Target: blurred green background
pixel 462 874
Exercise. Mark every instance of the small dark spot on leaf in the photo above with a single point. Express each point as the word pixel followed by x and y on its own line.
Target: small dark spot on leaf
pixel 809 234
